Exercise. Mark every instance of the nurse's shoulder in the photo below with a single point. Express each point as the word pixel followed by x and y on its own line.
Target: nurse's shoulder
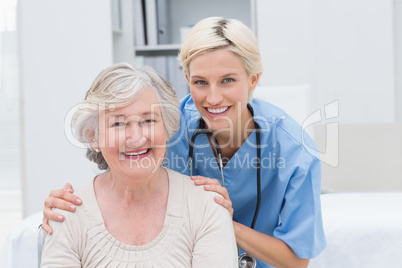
pixel 271 117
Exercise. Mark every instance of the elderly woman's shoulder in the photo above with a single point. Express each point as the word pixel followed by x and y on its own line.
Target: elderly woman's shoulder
pixel 195 203
pixel 86 193
pixel 190 190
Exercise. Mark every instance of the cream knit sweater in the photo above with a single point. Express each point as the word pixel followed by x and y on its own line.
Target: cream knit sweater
pixel 197 232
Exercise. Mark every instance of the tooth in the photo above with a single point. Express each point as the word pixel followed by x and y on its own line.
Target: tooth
pixel 137 153
pixel 217 111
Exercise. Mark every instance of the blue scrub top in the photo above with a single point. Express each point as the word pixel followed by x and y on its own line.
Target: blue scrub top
pixel 290 207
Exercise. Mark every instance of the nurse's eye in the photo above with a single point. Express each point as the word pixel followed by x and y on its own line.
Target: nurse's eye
pixel 228 80
pixel 200 82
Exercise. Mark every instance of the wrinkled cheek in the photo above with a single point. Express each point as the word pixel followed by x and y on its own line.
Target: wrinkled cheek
pixel 112 139
pixel 156 136
pixel 159 145
pixel 158 160
pixel 113 162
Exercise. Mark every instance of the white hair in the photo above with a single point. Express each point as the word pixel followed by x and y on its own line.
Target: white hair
pixel 117 86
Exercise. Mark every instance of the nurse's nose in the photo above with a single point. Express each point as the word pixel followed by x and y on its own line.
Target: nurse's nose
pixel 134 135
pixel 214 96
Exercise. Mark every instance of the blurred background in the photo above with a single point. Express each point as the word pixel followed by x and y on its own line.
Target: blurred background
pixel 345 56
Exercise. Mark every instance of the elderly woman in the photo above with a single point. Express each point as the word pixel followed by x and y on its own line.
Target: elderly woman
pixel 137 213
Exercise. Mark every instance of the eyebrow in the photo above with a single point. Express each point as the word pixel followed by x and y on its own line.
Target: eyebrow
pixel 141 115
pixel 202 77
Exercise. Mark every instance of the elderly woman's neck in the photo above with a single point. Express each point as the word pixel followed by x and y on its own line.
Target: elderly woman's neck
pixel 129 191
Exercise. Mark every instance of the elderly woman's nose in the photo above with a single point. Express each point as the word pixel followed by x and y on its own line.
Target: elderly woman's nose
pixel 134 136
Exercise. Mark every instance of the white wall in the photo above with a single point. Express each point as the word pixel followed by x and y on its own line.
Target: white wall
pixel 63 45
pixel 123 49
pixel 343 49
pixel 355 58
pixel 398 57
pixel 284 32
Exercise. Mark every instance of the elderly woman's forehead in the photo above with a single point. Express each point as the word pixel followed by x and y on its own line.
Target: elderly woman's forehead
pixel 132 109
pixel 140 108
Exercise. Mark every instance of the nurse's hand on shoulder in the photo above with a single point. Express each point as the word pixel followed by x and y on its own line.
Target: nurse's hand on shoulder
pixel 61 199
pixel 215 186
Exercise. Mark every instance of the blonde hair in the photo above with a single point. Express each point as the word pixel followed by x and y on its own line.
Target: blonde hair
pixel 115 87
pixel 216 32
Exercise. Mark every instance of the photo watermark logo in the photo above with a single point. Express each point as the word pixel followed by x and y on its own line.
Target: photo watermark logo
pixel 272 159
pixel 331 154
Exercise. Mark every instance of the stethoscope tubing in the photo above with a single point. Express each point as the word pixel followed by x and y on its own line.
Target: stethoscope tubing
pixel 201 130
pixel 257 207
pixel 218 151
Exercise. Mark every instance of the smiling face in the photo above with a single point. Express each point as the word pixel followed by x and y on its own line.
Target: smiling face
pixel 219 85
pixel 132 138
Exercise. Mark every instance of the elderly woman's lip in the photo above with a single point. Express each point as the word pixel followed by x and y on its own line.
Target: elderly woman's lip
pixel 137 154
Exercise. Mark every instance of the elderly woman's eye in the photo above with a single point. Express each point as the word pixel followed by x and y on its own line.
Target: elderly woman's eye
pixel 148 122
pixel 118 124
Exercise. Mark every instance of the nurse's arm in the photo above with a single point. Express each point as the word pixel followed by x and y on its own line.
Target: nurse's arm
pixel 267 248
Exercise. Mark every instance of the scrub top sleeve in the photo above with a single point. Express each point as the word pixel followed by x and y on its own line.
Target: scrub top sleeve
pixel 300 221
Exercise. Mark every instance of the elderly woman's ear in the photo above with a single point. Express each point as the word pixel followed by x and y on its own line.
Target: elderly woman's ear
pixel 95 147
pixel 93 141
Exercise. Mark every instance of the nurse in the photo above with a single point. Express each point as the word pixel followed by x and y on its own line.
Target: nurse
pixel 272 183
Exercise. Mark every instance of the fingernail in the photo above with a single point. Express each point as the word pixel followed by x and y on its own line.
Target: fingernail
pixel 60 217
pixel 208 187
pixel 197 181
pixel 72 206
pixel 218 198
pixel 78 201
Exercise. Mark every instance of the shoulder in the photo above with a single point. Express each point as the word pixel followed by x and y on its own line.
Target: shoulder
pixel 270 116
pixel 78 218
pixel 280 129
pixel 86 191
pixel 198 206
pixel 67 243
pixel 192 194
pixel 187 104
pixel 189 113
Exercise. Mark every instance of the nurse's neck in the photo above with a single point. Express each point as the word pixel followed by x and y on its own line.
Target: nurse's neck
pixel 232 139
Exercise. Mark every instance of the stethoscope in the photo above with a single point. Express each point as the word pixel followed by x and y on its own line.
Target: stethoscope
pixel 244 260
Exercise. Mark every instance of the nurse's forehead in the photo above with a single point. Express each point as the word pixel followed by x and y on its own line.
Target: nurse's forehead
pixel 217 69
pixel 218 55
pixel 201 75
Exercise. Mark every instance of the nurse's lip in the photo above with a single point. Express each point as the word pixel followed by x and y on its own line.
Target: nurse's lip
pixel 217 111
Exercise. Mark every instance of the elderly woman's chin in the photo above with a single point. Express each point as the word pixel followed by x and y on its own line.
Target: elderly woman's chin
pixel 137 165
